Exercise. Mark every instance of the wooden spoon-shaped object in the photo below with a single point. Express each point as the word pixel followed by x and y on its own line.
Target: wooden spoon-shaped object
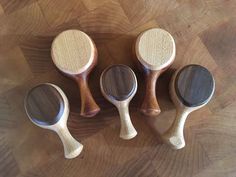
pixel 155 51
pixel 47 107
pixel 191 88
pixel 119 85
pixel 74 53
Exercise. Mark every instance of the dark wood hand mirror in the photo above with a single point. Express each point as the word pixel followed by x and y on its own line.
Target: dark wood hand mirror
pixel 47 107
pixel 191 88
pixel 119 85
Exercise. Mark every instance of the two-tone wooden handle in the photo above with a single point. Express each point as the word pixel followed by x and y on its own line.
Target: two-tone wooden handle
pixel 72 148
pixel 150 105
pixel 89 107
pixel 175 134
pixel 127 129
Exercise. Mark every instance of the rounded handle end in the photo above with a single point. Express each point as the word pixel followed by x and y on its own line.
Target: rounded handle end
pixel 91 112
pixel 175 142
pixel 150 111
pixel 128 136
pixel 75 152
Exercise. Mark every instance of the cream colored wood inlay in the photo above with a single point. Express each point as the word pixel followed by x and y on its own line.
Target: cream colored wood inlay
pixel 155 48
pixel 72 51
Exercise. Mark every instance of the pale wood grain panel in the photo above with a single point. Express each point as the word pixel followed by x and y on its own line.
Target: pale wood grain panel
pixel 1 10
pixel 36 50
pixel 142 11
pixel 106 22
pixel 93 4
pixel 188 20
pixel 139 166
pixel 8 164
pixel 216 170
pixel 34 21
pixel 220 41
pixel 61 11
pixel 101 160
pixel 185 162
pixel 217 129
pixel 12 62
pixel 10 6
pixel 194 52
pixel 7 117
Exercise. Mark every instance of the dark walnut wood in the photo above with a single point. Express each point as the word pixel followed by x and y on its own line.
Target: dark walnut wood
pixel 118 82
pixel 194 85
pixel 44 105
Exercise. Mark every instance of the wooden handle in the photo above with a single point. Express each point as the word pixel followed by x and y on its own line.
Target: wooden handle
pixel 72 148
pixel 150 106
pixel 127 129
pixel 175 134
pixel 89 107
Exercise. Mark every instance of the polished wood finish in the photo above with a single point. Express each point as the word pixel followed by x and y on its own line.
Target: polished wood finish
pixel 204 33
pixel 194 85
pixel 47 107
pixel 191 88
pixel 44 105
pixel 74 53
pixel 155 50
pixel 119 84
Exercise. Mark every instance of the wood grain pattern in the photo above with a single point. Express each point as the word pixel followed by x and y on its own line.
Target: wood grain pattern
pixel 118 82
pixel 118 85
pixel 155 51
pixel 44 105
pixel 194 85
pixel 185 91
pixel 47 107
pixel 75 54
pixel 204 33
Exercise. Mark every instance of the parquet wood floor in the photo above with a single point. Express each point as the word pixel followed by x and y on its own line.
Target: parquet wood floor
pixel 205 33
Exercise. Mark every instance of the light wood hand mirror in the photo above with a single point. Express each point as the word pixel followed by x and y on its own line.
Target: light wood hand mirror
pixel 74 53
pixel 191 88
pixel 47 107
pixel 119 85
pixel 155 51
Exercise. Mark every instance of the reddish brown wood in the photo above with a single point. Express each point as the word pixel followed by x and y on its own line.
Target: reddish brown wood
pixel 150 105
pixel 89 107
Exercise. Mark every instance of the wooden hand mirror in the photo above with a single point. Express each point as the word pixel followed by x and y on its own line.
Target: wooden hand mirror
pixel 47 107
pixel 74 53
pixel 191 88
pixel 155 51
pixel 119 85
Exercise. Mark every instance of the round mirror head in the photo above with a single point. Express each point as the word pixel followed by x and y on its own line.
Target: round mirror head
pixel 194 85
pixel 118 82
pixel 155 49
pixel 44 105
pixel 73 52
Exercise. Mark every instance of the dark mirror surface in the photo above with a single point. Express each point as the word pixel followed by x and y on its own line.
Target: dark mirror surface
pixel 194 85
pixel 118 82
pixel 44 105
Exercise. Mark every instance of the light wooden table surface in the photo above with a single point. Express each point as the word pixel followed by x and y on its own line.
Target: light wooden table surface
pixel 205 33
